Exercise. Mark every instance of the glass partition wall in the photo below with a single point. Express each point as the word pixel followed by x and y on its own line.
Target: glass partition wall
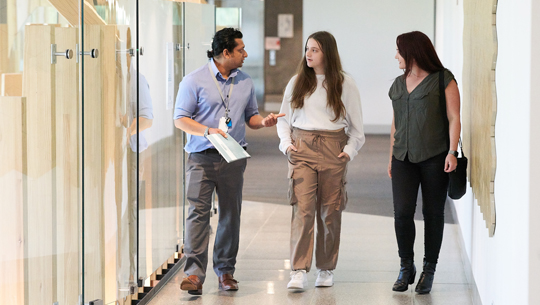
pixel 109 154
pixel 160 143
pixel 40 182
pixel 91 165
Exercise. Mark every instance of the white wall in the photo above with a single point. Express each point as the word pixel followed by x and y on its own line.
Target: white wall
pixel 366 33
pixel 501 264
pixel 534 240
pixel 449 36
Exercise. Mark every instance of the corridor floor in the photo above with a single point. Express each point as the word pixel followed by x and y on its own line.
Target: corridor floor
pixel 368 262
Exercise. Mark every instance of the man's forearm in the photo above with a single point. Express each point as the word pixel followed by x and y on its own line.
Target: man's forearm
pixel 190 126
pixel 255 122
pixel 144 124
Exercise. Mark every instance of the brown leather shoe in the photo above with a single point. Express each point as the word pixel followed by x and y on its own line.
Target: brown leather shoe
pixel 192 284
pixel 227 283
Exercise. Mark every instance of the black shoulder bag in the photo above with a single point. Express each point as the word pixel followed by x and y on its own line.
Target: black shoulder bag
pixel 457 182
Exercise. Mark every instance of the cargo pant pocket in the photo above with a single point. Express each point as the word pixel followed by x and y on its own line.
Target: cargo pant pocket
pixel 291 196
pixel 343 198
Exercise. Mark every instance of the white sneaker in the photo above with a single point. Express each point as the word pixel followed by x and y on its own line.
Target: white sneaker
pixel 325 278
pixel 298 279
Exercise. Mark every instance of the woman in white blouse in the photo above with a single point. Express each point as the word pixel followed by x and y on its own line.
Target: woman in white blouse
pixel 321 132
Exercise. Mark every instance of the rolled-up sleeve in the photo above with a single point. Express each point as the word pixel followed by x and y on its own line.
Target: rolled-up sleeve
pixel 355 123
pixel 186 99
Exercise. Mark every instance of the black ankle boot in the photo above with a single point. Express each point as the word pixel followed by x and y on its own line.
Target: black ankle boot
pixel 426 278
pixel 406 275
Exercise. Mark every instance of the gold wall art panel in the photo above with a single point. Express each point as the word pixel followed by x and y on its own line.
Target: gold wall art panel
pixel 480 102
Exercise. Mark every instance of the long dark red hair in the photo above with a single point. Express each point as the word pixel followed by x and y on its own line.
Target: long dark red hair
pixel 306 81
pixel 416 47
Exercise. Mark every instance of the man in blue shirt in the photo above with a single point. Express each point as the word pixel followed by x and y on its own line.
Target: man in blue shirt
pixel 216 98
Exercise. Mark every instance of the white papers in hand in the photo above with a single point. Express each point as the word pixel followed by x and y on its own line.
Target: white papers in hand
pixel 228 147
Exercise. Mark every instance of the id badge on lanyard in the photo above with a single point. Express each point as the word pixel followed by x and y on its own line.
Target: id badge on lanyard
pixel 225 122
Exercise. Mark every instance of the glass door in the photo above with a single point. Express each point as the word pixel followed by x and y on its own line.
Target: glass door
pixel 91 166
pixel 109 58
pixel 39 152
pixel 159 149
pixel 200 26
pixel 131 153
pixel 198 31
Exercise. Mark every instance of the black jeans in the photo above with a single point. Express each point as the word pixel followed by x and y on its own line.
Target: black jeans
pixel 406 178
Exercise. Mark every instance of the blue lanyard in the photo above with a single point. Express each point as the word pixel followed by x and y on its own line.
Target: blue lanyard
pixel 225 101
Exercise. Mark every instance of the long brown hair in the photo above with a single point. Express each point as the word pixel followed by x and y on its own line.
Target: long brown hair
pixel 416 47
pixel 306 81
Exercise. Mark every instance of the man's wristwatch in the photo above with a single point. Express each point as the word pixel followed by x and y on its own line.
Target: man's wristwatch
pixel 453 152
pixel 206 132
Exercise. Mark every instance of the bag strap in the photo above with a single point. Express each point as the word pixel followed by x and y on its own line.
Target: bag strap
pixel 442 102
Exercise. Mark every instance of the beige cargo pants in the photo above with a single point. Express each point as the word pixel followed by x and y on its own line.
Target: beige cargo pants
pixel 316 191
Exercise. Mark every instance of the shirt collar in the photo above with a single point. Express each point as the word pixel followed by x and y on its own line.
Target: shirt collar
pixel 216 72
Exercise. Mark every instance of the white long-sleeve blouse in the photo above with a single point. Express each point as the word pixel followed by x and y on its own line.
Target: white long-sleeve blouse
pixel 315 115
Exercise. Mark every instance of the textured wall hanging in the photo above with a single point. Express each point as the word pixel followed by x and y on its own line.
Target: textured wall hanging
pixel 480 101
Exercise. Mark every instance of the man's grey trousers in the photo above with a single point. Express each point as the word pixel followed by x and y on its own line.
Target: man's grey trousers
pixel 205 172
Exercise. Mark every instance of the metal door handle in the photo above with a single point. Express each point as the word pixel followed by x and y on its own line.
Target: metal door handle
pixel 131 51
pixel 94 53
pixel 68 54
pixel 179 47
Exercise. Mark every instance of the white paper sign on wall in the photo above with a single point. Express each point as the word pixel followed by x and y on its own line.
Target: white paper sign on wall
pixel 285 25
pixel 272 43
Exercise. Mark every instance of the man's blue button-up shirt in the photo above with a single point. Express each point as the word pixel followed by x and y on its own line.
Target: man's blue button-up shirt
pixel 199 99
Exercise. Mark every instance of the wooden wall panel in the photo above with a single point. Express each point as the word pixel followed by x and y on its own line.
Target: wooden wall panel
pixel 38 88
pixel 67 168
pixel 93 184
pixel 69 9
pixel 12 29
pixel 480 101
pixel 111 125
pixel 112 139
pixel 122 167
pixel 4 48
pixel 12 239
pixel 11 84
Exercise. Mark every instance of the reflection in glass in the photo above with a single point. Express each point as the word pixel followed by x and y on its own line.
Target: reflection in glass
pixel 38 157
pixel 42 155
pixel 110 164
pixel 160 182
pixel 135 123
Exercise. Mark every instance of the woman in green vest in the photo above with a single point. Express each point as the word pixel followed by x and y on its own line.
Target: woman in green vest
pixel 422 152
